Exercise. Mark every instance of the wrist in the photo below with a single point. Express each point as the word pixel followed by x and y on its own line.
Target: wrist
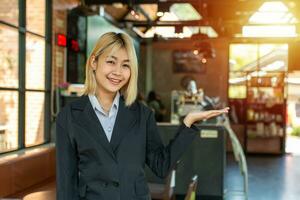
pixel 187 121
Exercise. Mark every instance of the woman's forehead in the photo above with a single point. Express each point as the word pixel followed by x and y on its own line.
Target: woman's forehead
pixel 119 53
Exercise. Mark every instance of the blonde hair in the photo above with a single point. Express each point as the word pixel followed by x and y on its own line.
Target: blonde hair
pixel 107 44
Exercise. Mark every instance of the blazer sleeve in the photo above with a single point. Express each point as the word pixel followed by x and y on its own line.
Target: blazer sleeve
pixel 66 163
pixel 161 159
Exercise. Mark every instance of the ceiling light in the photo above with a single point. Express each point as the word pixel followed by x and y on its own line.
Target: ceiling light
pixel 203 60
pixel 159 14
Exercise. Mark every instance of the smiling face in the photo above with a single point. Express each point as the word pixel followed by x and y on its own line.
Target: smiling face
pixel 112 66
pixel 112 71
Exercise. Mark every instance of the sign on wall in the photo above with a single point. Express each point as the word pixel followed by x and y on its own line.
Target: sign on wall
pixel 188 61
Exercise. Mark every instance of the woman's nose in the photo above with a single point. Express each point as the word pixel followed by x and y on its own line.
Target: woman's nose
pixel 118 69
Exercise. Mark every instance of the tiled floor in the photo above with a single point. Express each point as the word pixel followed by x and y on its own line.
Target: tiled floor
pixel 270 177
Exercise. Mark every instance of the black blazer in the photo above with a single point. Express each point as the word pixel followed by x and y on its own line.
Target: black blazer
pixel 92 168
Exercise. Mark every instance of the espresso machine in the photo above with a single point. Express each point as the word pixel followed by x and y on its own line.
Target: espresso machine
pixel 189 100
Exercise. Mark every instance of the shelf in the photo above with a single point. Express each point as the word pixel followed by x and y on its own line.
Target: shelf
pixel 260 86
pixel 264 145
pixel 264 137
pixel 265 101
pixel 258 121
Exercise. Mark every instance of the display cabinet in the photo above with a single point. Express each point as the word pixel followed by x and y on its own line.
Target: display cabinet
pixel 258 109
pixel 265 113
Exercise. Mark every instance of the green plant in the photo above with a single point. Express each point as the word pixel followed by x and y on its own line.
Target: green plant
pixel 296 131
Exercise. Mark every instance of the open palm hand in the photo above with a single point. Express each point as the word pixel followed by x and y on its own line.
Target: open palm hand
pixel 195 116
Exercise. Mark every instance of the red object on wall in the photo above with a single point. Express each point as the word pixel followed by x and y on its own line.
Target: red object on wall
pixel 74 45
pixel 61 40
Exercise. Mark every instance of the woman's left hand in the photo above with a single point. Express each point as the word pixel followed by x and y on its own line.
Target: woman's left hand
pixel 193 117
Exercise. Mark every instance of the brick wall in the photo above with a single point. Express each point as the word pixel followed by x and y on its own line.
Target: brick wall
pixel 59 25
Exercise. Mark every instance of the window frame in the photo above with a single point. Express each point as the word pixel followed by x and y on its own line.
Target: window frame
pixel 22 31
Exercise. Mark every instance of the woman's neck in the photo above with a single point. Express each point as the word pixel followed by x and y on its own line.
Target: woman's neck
pixel 105 99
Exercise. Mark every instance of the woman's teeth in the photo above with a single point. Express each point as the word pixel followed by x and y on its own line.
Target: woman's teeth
pixel 114 81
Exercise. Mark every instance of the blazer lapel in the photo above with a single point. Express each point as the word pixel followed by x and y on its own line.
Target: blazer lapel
pixel 90 122
pixel 124 122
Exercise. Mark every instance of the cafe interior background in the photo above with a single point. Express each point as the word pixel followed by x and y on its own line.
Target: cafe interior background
pixel 195 54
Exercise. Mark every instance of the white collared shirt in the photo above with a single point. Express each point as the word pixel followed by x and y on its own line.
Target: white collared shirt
pixel 106 120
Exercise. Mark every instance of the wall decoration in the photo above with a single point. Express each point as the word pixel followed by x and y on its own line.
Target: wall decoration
pixel 188 61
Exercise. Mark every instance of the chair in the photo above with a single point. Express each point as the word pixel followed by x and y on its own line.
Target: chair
pixel 191 193
pixel 165 191
pixel 41 195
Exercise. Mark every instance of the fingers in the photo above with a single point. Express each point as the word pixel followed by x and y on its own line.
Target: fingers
pixel 204 115
pixel 225 109
pixel 213 113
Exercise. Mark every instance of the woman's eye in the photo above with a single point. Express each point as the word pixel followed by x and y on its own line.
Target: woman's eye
pixel 127 66
pixel 110 62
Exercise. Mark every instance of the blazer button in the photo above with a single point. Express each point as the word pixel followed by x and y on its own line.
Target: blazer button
pixel 105 184
pixel 115 183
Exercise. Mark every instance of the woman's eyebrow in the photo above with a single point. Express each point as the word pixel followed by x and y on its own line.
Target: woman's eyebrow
pixel 115 58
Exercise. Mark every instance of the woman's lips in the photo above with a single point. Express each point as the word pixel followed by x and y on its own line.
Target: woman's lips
pixel 114 81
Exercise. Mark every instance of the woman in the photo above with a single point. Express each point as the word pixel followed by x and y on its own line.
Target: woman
pixel 105 138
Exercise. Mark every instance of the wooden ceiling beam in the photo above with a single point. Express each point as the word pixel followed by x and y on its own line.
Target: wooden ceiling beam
pixel 201 22
pixel 218 2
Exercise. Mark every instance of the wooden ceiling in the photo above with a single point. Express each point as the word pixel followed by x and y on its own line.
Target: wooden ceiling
pixel 226 16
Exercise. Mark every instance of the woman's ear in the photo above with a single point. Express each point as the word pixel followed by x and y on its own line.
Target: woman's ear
pixel 93 62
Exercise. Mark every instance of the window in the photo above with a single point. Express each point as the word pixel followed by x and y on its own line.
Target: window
pixel 34 118
pixel 24 86
pixel 9 12
pixel 8 120
pixel 9 80
pixel 35 16
pixel 253 60
pixel 9 50
pixel 35 62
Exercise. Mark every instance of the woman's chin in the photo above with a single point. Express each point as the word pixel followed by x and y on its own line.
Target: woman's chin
pixel 113 89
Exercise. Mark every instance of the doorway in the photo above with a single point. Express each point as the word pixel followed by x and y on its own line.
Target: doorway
pixel 293 113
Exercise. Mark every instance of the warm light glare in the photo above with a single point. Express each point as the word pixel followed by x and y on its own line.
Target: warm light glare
pixel 273 6
pixel 270 31
pixel 293 80
pixel 258 73
pixel 237 80
pixel 277 65
pixel 275 21
pixel 271 18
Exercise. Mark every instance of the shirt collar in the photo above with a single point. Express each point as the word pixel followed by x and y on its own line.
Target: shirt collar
pixel 116 100
pixel 97 106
